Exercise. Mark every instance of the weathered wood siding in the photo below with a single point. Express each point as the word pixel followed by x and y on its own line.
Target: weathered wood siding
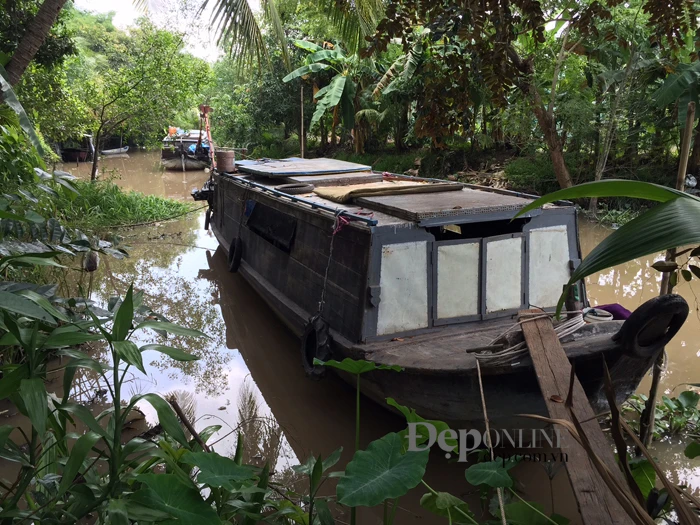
pixel 299 274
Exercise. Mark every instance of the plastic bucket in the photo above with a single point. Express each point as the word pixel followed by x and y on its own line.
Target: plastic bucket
pixel 225 160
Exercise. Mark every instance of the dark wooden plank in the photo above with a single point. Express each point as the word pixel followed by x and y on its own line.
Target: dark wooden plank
pixel 337 179
pixel 596 502
pixel 416 207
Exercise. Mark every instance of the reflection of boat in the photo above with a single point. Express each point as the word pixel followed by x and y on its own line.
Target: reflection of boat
pixel 115 151
pixel 422 275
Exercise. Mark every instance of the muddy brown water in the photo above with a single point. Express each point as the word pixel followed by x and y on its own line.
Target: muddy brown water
pixel 249 376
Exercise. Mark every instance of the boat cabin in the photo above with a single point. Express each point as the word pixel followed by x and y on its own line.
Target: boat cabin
pixel 389 255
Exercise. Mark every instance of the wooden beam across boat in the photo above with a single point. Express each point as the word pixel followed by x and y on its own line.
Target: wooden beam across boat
pixel 596 502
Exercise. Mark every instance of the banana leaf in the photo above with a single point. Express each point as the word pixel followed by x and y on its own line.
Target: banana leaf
pixel 305 70
pixel 10 98
pixel 673 223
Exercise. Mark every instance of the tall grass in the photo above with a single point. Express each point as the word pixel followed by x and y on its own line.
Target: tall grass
pixel 103 204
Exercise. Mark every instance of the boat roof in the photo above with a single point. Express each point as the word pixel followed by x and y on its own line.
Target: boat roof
pixel 382 199
pixel 298 166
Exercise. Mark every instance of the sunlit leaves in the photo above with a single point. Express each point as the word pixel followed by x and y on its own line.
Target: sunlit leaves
pixel 218 471
pixel 490 473
pixel 356 366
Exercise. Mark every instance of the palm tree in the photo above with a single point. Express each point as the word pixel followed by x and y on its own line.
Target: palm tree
pixel 33 38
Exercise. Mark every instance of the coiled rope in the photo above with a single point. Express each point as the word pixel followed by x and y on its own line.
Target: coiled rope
pixel 513 354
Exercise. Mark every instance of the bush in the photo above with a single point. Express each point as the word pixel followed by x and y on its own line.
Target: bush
pixel 103 204
pixel 393 162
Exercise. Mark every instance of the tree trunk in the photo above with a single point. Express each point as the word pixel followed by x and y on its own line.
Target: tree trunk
pixel 33 38
pixel 694 163
pixel 96 156
pixel 402 128
pixel 334 126
pixel 324 135
pixel 556 153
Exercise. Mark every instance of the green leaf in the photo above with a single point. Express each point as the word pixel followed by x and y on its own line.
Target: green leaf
pixel 307 46
pixel 356 367
pixel 412 417
pixel 676 84
pixel 23 306
pixel 44 303
pixel 218 471
pixel 693 450
pixel 33 394
pixel 689 399
pixel 307 468
pixel 326 54
pixel 164 492
pixel 166 417
pixel 316 474
pixel 490 473
pixel 446 505
pixel 130 353
pixel 609 188
pixel 521 513
pixel 85 417
pixel 305 70
pixel 329 99
pixel 171 328
pixel 124 317
pixel 34 260
pixel 381 472
pixel 78 453
pixel 63 339
pixel 117 513
pixel 323 512
pixel 175 353
pixel 644 476
pixel 10 381
pixel 259 496
pixel 11 100
pixel 34 217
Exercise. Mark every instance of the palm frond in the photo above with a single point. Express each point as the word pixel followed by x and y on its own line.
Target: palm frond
pixel 273 16
pixel 408 64
pixel 237 29
pixel 354 19
pixel 389 76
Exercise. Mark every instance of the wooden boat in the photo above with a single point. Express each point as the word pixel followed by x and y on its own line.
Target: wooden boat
pixel 115 151
pixel 77 151
pixel 426 275
pixel 185 151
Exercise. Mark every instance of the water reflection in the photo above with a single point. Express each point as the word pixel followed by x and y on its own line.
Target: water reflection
pixel 141 171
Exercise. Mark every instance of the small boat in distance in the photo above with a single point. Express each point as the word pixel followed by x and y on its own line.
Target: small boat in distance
pixel 427 275
pixel 185 150
pixel 115 151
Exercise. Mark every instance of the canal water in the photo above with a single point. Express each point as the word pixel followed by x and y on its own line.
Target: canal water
pixel 249 377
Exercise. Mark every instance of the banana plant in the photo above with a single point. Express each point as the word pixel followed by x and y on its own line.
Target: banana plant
pixel 340 91
pixel 683 86
pixel 672 223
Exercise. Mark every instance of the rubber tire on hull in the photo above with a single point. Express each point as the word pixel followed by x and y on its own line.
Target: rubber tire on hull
pixel 653 325
pixel 315 343
pixel 295 189
pixel 207 219
pixel 235 251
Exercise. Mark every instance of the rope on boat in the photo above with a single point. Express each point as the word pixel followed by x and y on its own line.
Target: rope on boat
pixel 338 223
pixel 516 352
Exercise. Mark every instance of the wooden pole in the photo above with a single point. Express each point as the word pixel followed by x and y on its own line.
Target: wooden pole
pixel 646 421
pixel 301 127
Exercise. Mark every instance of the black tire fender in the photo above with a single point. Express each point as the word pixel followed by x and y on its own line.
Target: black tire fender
pixel 651 326
pixel 207 219
pixel 315 343
pixel 295 189
pixel 235 252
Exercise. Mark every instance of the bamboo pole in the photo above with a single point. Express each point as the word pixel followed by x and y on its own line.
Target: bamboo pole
pixel 301 128
pixel 646 422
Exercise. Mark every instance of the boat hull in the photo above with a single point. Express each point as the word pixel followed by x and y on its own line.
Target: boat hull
pixel 176 164
pixel 439 378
